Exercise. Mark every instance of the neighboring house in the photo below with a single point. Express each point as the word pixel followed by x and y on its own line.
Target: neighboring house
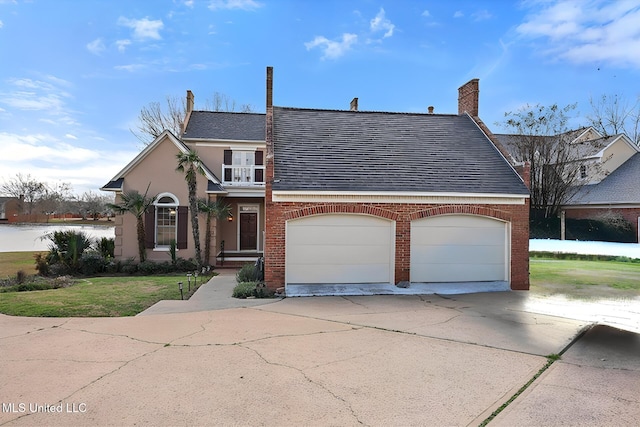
pixel 609 171
pixel 343 197
pixel 10 208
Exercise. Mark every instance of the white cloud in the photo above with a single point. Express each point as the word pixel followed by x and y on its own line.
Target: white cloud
pixel 381 23
pixel 248 5
pixel 588 31
pixel 49 159
pixel 35 95
pixel 122 44
pixel 188 3
pixel 70 136
pixel 143 28
pixel 332 49
pixel 1 24
pixel 458 14
pixel 130 67
pixel 96 47
pixel 426 14
pixel 481 15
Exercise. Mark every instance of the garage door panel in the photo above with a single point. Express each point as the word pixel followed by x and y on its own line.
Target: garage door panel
pixel 340 248
pixel 447 254
pixel 458 248
pixel 340 254
pixel 339 235
pixel 445 235
pixel 459 273
pixel 337 273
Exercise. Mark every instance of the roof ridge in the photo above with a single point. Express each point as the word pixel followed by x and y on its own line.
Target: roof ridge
pixel 406 113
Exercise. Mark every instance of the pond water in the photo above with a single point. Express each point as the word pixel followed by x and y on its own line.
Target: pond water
pixel 28 237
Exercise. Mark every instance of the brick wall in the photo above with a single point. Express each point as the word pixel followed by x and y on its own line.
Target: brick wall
pixel 630 214
pixel 402 214
pixel 468 98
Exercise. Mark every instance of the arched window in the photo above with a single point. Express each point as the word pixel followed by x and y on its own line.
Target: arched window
pixel 166 220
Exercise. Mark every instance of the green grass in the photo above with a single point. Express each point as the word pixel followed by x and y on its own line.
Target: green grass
pixel 94 297
pixel 585 278
pixel 11 262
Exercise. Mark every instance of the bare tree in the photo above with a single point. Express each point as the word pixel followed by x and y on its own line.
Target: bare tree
pixel 540 136
pixel 222 102
pixel 157 117
pixel 613 114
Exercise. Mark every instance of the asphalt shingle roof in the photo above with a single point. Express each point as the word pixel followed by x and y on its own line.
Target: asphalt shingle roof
pixel 621 186
pixel 375 151
pixel 224 125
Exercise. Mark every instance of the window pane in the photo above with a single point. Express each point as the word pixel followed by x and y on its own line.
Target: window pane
pixel 165 226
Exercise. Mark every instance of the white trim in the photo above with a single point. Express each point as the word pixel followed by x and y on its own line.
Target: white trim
pixel 250 145
pixel 257 212
pixel 245 192
pixel 398 197
pixel 149 148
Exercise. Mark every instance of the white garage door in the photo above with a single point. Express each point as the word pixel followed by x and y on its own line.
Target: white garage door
pixel 340 248
pixel 459 248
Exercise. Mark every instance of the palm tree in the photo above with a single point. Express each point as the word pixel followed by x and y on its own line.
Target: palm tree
pixel 190 164
pixel 136 204
pixel 213 209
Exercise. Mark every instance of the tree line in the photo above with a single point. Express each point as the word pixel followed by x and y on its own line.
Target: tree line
pixel 42 198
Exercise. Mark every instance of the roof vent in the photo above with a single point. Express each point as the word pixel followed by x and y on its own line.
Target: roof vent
pixel 354 105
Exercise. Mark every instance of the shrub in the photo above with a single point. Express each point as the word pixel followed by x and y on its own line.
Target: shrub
pixel 92 263
pixel 251 289
pixel 248 273
pixel 20 276
pixel 185 265
pixel 42 266
pixel 106 247
pixel 129 266
pixel 147 267
pixel 244 290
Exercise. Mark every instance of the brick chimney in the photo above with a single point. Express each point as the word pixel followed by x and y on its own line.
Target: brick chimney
pixel 354 105
pixel 187 116
pixel 189 101
pixel 468 97
pixel 430 109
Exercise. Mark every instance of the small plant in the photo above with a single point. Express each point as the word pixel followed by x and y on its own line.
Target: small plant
pixel 42 266
pixel 244 290
pixel 248 273
pixel 106 247
pixel 172 251
pixel 20 276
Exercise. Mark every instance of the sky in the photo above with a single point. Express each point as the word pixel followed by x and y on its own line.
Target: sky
pixel 74 74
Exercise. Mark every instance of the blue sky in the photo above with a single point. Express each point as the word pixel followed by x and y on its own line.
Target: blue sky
pixel 75 74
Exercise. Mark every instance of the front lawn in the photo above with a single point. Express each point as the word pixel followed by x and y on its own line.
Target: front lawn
pixel 95 297
pixel 585 279
pixel 12 262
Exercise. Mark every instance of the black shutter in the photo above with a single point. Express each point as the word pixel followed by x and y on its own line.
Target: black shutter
pixel 227 161
pixel 259 162
pixel 150 228
pixel 183 219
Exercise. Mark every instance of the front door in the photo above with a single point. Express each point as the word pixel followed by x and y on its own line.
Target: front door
pixel 248 231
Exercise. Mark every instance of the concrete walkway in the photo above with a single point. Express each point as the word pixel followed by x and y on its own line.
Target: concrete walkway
pixel 348 361
pixel 213 295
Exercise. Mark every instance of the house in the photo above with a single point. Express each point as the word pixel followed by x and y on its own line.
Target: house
pixel 607 167
pixel 345 197
pixel 10 208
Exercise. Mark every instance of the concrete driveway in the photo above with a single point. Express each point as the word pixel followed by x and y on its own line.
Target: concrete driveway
pixel 365 360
